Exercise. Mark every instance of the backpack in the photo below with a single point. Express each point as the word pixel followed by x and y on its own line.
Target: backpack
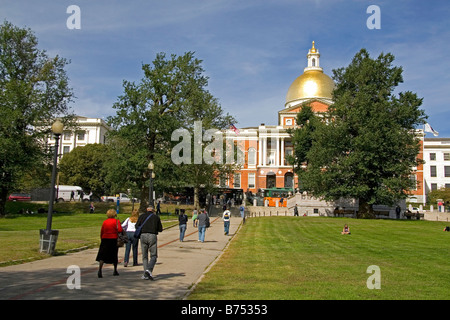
pixel 137 233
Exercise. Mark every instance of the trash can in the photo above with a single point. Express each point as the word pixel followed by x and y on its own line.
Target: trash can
pixel 47 241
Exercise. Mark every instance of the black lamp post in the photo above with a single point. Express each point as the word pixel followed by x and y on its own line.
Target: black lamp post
pixel 49 236
pixel 151 166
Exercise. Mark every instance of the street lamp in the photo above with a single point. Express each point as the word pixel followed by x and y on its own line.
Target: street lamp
pixel 151 166
pixel 48 236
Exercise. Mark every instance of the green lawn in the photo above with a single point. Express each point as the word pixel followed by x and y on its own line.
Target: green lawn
pixel 19 233
pixel 308 258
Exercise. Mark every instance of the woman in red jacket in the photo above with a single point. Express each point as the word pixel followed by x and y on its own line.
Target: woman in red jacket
pixel 108 251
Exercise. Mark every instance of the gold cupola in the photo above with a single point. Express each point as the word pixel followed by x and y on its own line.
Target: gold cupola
pixel 313 83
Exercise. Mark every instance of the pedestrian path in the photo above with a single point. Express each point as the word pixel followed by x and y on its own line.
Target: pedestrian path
pixel 180 265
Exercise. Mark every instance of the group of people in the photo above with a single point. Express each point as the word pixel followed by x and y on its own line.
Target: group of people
pixel 150 225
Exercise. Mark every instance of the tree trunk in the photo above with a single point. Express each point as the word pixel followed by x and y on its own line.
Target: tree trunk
pixel 196 204
pixel 365 210
pixel 3 196
pixel 144 200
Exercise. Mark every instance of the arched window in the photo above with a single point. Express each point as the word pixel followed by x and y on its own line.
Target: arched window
pixel 313 62
pixel 288 180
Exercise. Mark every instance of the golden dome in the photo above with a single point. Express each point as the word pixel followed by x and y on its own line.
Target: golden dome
pixel 311 84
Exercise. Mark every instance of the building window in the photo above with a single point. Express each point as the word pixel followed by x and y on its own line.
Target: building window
pixel 224 181
pixel 446 171
pixel 433 186
pixel 237 180
pixel 432 156
pixel 251 180
pixel 66 149
pixel 432 171
pixel 251 156
pixel 446 156
pixel 67 135
pixel 81 135
pixel 413 178
pixel 289 122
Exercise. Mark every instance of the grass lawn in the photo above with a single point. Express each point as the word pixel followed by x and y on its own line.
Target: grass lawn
pixel 288 258
pixel 19 233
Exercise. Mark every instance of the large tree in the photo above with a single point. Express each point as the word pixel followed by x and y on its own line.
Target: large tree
pixel 208 151
pixel 34 90
pixel 84 167
pixel 170 95
pixel 369 147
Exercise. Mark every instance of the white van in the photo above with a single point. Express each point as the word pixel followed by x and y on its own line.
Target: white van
pixel 64 193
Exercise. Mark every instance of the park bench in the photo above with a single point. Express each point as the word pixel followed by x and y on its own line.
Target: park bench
pixel 338 212
pixel 410 215
pixel 380 214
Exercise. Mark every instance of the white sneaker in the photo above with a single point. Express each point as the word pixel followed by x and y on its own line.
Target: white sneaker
pixel 148 275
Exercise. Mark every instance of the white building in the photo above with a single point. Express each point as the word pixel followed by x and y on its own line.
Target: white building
pixel 436 154
pixel 89 130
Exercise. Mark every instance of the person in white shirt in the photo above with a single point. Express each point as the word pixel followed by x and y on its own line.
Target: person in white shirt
pixel 226 221
pixel 129 225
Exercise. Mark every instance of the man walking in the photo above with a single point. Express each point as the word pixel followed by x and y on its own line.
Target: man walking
pixel 226 221
pixel 149 234
pixel 202 224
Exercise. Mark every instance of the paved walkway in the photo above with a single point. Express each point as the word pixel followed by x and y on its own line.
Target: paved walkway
pixel 179 267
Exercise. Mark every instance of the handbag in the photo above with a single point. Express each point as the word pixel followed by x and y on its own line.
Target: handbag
pixel 122 237
pixel 137 233
pixel 207 222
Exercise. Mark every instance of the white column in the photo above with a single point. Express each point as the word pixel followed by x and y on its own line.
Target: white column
pixel 264 151
pixel 260 150
pixel 277 153
pixel 282 152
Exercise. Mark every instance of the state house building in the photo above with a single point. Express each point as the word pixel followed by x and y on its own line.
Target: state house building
pixel 267 146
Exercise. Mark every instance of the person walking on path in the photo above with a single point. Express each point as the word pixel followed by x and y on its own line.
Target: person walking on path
pixel 129 226
pixel 182 221
pixel 108 250
pixel 194 218
pixel 149 241
pixel 158 208
pixel 202 224
pixel 226 221
pixel 242 211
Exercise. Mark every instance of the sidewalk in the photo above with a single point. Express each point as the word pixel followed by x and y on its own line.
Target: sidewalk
pixel 180 265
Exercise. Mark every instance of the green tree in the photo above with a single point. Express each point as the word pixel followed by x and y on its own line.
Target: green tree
pixel 302 136
pixel 443 194
pixel 84 167
pixel 169 95
pixel 205 111
pixel 34 90
pixel 369 146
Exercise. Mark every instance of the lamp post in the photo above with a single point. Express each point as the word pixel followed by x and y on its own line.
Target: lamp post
pixel 151 166
pixel 48 236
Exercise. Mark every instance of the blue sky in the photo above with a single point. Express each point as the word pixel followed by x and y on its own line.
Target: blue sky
pixel 251 50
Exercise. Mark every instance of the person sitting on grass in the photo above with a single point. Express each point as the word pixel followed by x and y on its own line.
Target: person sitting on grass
pixel 346 230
